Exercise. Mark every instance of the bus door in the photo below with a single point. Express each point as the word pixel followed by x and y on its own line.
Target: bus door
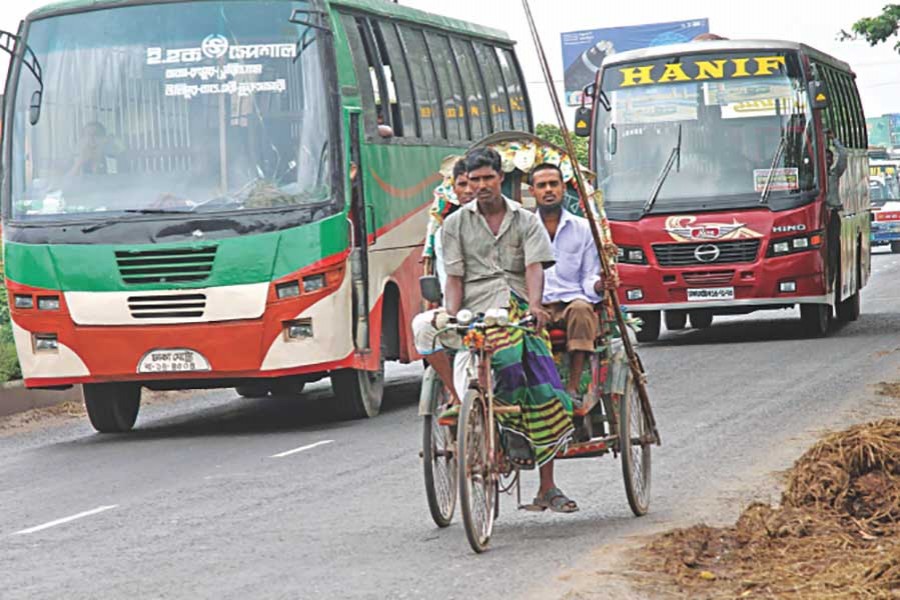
pixel 363 228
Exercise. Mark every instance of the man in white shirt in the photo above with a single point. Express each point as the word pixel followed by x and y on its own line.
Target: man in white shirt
pixel 573 285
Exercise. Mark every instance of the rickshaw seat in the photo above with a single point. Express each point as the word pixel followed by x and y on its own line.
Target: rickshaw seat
pixel 557 339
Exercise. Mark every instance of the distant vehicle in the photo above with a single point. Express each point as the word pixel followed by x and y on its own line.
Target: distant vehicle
pixel 232 193
pixel 718 204
pixel 884 191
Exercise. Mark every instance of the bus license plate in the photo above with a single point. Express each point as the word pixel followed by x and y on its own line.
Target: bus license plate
pixel 703 294
pixel 176 360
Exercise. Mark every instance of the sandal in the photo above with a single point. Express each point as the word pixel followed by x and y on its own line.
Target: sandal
pixel 556 501
pixel 449 416
pixel 518 451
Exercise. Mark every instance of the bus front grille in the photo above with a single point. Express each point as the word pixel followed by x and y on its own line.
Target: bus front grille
pixel 708 277
pixel 172 306
pixel 681 255
pixel 179 265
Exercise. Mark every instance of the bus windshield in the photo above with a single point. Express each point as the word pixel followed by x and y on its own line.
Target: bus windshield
pixel 704 132
pixel 194 107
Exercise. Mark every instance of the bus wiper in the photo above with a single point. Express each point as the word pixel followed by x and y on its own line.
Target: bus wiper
pixel 674 156
pixel 782 144
pixel 155 211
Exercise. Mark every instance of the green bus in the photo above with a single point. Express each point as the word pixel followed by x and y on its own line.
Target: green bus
pixel 231 193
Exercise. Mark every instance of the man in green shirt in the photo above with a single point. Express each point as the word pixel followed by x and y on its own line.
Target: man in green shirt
pixel 495 252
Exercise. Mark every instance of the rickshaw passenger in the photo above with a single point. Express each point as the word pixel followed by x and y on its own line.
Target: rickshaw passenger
pixel 494 253
pixel 446 202
pixel 573 285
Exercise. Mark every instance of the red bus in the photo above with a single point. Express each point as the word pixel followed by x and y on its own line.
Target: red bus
pixel 715 162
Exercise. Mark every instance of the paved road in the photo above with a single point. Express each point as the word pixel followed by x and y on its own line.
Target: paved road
pixel 194 503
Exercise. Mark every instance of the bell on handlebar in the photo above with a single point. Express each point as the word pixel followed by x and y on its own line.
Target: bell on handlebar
pixel 465 317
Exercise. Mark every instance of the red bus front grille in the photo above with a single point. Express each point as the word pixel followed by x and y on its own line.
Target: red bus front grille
pixel 708 277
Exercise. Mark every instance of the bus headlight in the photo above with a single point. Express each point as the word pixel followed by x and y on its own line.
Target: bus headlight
pixel 48 303
pixel 313 283
pixel 23 301
pixel 798 243
pixel 631 255
pixel 290 289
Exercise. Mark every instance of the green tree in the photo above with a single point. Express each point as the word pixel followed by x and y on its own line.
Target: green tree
pixel 552 134
pixel 878 29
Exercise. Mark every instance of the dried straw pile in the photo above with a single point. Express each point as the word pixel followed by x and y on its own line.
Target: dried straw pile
pixel 835 535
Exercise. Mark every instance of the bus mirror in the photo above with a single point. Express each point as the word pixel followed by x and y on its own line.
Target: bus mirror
pixel 588 91
pixel 612 139
pixel 34 109
pixel 583 117
pixel 818 95
pixel 430 286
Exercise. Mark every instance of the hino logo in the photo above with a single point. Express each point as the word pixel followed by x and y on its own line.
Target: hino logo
pixel 788 228
pixel 707 253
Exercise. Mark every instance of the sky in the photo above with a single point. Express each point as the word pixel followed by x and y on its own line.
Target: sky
pixel 812 22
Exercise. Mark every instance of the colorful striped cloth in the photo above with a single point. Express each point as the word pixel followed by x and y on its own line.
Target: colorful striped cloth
pixel 444 203
pixel 526 376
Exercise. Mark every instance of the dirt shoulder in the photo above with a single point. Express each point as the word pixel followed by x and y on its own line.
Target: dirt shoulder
pixel 834 534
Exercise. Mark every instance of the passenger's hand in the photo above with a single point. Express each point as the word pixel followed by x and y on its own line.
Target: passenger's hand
pixel 541 317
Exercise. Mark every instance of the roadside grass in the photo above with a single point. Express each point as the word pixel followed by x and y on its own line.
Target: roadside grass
pixel 9 362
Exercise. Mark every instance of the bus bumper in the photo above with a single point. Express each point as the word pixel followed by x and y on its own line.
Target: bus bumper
pixel 775 282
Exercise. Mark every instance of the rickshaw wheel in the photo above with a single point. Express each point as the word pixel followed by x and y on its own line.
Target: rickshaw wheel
pixel 634 447
pixel 441 465
pixel 477 486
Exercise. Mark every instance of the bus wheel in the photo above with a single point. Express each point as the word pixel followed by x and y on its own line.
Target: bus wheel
pixel 815 319
pixel 895 247
pixel 112 407
pixel 650 329
pixel 701 319
pixel 675 319
pixel 358 393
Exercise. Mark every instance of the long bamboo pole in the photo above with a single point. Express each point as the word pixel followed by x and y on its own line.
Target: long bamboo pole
pixel 640 378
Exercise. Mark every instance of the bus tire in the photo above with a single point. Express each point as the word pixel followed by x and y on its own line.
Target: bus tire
pixel 650 329
pixel 895 247
pixel 815 318
pixel 675 319
pixel 701 319
pixel 112 407
pixel 358 393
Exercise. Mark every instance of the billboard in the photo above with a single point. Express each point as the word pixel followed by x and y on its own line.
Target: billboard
pixel 895 129
pixel 583 51
pixel 879 129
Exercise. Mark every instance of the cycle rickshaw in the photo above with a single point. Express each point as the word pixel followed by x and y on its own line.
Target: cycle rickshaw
pixel 467 462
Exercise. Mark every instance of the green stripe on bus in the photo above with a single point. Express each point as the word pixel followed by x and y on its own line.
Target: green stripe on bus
pixel 238 260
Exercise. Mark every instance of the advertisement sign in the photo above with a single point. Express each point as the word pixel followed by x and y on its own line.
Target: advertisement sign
pixel 584 51
pixel 895 129
pixel 879 131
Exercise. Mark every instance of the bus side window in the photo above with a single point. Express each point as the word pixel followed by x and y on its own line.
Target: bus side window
pixel 521 120
pixel 397 79
pixel 424 84
pixel 471 77
pixel 363 64
pixel 451 86
pixel 496 88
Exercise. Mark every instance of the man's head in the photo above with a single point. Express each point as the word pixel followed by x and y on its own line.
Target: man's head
pixel 547 187
pixel 485 174
pixel 461 182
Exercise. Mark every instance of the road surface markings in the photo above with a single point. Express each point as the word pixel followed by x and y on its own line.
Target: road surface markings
pixel 80 515
pixel 301 449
